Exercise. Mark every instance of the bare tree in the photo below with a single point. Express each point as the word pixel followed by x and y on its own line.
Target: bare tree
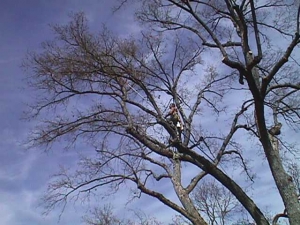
pixel 125 86
pixel 217 203
pixel 103 216
pixel 106 216
pixel 243 33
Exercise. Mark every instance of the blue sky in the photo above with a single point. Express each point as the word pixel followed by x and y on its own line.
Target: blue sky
pixel 24 173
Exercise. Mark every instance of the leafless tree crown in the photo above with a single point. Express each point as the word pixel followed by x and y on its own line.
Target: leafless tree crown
pixel 114 93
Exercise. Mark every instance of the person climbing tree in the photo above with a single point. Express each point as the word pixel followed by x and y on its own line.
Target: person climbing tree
pixel 175 118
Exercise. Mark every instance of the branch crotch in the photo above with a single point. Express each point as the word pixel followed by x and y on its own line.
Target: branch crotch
pixel 184 197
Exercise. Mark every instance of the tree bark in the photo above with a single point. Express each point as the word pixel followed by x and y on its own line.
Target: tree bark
pixel 283 182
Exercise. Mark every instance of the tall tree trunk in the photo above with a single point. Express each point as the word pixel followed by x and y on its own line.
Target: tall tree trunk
pixel 283 182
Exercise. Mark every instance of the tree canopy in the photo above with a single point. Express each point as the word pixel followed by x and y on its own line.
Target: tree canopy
pixel 231 69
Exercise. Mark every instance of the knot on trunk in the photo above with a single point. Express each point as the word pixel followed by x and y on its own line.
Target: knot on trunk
pixel 276 129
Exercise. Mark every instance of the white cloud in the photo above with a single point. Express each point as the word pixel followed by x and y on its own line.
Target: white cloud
pixel 6 214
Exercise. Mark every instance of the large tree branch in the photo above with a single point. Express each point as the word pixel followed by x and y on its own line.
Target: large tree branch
pixel 266 80
pixel 235 189
pixel 164 200
pixel 195 181
pixel 257 36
